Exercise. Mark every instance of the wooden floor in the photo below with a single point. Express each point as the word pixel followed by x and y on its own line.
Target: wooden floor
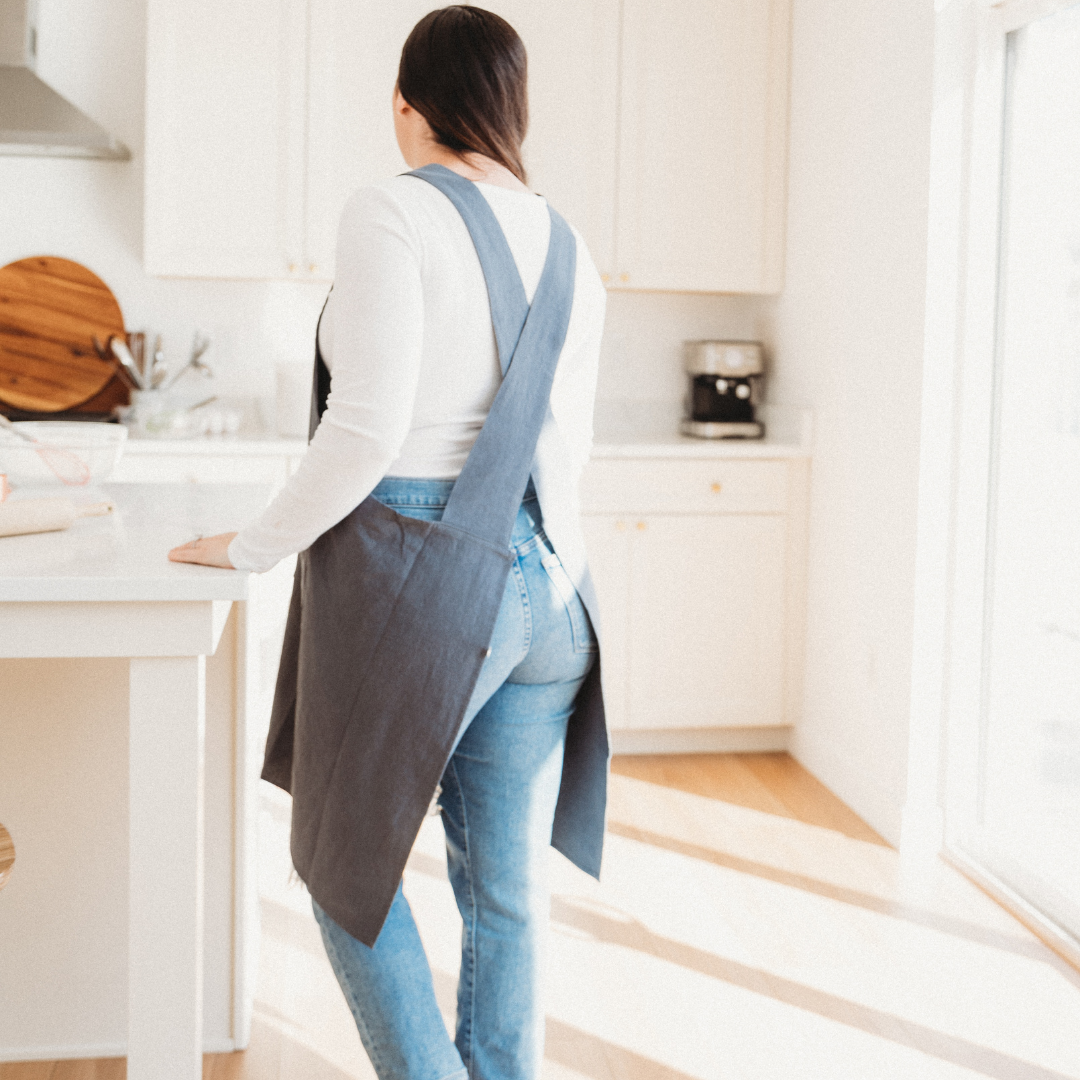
pixel 749 926
pixel 772 783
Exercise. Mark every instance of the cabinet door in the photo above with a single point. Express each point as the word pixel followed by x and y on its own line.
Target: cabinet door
pixel 224 138
pixel 570 152
pixel 268 469
pixel 702 145
pixel 355 50
pixel 607 539
pixel 706 639
pixel 571 148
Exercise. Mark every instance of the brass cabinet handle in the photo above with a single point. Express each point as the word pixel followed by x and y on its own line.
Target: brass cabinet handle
pixel 624 277
pixel 605 278
pixel 311 267
pixel 642 526
pixel 716 489
pixel 620 526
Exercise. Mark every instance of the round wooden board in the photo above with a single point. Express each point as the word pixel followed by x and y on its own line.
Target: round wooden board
pixel 50 311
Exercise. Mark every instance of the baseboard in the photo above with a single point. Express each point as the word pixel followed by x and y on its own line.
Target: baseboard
pixel 62 1053
pixel 96 1050
pixel 729 740
pixel 1051 935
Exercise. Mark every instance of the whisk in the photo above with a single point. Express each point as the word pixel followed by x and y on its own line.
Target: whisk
pixel 67 467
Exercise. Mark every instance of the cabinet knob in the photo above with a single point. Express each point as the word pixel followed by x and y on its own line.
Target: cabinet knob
pixel 312 267
pixel 292 268
pixel 620 526
pixel 624 277
pixel 716 489
pixel 642 526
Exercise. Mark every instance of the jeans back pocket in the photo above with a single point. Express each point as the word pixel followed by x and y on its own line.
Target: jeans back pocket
pixel 584 638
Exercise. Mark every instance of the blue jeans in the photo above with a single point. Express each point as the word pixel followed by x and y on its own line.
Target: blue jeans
pixel 497 802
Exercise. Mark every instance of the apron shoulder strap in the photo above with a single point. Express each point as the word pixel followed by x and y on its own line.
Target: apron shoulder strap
pixel 506 294
pixel 486 495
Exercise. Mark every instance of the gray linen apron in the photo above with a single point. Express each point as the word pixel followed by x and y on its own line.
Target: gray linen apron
pixel 391 619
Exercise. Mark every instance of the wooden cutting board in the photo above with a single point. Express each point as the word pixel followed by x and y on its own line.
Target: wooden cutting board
pixel 50 311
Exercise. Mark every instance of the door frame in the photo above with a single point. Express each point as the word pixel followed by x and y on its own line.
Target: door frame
pixel 956 481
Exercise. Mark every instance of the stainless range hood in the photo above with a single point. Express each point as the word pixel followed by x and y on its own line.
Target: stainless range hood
pixel 34 119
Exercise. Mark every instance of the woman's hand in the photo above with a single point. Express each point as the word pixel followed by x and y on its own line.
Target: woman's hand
pixel 207 551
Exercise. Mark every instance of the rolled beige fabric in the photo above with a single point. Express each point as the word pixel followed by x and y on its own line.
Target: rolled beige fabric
pixel 45 515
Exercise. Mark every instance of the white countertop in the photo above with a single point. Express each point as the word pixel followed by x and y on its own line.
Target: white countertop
pixel 647 429
pixel 248 444
pixel 123 556
pixel 623 430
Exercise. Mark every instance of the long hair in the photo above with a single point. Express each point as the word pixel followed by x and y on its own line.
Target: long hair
pixel 464 70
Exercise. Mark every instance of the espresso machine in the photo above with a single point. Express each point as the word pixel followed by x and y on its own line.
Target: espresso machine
pixel 725 388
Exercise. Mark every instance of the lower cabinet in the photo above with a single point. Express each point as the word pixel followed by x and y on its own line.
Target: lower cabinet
pixel 698 565
pixel 701 615
pixel 180 464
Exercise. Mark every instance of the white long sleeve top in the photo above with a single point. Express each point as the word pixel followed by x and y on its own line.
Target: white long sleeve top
pixel 408 338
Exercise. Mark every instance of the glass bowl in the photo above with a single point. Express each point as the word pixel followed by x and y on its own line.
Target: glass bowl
pixel 68 452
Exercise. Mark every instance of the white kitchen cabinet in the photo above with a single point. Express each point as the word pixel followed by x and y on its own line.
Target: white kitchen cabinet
pixel 659 131
pixel 698 570
pixel 269 461
pixel 248 170
pixel 570 151
pixel 703 145
pixel 354 52
pixel 608 542
pixel 225 135
pixel 180 468
pixel 707 621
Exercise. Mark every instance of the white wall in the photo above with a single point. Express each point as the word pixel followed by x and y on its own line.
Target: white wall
pixel 91 211
pixel 848 337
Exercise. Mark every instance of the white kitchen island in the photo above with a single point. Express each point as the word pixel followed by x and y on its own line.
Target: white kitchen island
pixel 102 638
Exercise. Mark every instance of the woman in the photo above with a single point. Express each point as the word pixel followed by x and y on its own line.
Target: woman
pixel 440 641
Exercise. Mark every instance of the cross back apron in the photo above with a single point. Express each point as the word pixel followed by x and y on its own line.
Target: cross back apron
pixel 391 620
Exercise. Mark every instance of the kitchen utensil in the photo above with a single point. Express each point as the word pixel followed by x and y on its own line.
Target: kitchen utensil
pixel 22 516
pixel 106 353
pixel 158 374
pixel 67 468
pixel 123 354
pixel 725 379
pixel 200 343
pixel 52 309
pixel 59 451
pixel 137 344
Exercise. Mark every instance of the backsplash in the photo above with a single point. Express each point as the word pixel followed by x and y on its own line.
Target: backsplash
pixel 642 354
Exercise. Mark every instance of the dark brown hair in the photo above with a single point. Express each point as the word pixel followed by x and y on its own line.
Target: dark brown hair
pixel 464 70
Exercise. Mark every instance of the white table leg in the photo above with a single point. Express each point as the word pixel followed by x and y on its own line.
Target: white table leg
pixel 165 935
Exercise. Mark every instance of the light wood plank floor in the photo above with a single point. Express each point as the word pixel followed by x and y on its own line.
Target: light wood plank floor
pixel 749 927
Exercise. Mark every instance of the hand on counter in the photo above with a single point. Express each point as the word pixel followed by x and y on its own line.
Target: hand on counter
pixel 207 551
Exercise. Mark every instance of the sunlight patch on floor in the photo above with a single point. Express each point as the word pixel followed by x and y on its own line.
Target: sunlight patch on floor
pixel 724 943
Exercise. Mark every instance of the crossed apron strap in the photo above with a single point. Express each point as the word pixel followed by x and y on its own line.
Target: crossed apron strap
pixel 489 490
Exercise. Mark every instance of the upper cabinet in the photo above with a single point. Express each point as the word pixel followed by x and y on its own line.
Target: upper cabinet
pixel 659 130
pixel 225 135
pixel 702 145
